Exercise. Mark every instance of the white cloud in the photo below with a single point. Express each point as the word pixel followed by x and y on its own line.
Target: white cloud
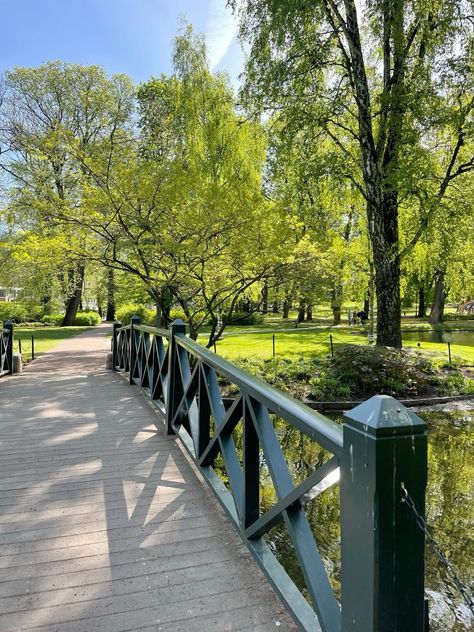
pixel 221 29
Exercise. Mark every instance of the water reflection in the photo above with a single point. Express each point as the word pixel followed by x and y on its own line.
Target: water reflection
pixel 463 338
pixel 450 513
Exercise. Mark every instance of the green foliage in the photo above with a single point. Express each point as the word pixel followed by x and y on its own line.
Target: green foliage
pixel 13 311
pixel 282 373
pixel 125 313
pixel 85 319
pixel 19 312
pixel 244 318
pixel 359 372
pixel 455 384
pixel 448 317
pixel 368 370
pixel 52 320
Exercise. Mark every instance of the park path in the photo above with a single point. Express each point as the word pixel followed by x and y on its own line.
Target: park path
pixel 104 523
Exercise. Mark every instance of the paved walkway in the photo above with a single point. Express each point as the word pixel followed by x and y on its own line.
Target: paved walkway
pixel 104 523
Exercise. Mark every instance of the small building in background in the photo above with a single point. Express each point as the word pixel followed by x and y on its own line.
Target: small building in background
pixel 9 294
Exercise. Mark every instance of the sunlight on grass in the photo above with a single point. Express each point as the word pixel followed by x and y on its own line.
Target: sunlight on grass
pixel 45 337
pixel 315 342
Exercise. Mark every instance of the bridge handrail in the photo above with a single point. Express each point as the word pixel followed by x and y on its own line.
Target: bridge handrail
pixel 380 450
pixel 312 423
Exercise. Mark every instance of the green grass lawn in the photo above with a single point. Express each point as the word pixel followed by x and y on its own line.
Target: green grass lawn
pixel 296 343
pixel 45 338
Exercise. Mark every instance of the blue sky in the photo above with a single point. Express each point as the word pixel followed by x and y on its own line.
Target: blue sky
pixel 130 36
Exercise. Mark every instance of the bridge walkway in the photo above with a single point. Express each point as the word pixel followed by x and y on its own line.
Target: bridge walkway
pixel 105 525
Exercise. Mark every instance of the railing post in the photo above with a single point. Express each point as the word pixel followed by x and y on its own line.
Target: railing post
pixel 135 320
pixel 173 396
pixel 117 325
pixel 382 548
pixel 9 326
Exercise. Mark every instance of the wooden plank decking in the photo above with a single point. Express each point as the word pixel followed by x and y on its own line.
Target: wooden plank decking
pixel 104 523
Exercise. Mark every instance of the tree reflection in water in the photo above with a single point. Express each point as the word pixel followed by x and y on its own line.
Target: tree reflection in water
pixel 450 511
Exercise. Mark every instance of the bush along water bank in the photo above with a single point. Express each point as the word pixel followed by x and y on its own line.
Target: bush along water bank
pixel 356 372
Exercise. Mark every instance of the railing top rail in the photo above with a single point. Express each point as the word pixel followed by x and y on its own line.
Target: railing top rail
pixel 152 330
pixel 123 328
pixel 323 430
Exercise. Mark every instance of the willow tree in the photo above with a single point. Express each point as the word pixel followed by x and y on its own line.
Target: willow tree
pixel 179 203
pixel 386 83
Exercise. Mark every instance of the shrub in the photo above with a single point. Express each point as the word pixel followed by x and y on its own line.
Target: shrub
pixel 243 318
pixel 125 312
pixel 53 320
pixel 448 317
pixel 282 373
pixel 87 319
pixel 15 312
pixel 360 371
pixel 363 371
pixel 178 313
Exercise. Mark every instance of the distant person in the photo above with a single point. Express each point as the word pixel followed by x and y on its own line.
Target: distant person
pixel 362 316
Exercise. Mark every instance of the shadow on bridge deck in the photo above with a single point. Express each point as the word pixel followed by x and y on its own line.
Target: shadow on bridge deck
pixel 104 524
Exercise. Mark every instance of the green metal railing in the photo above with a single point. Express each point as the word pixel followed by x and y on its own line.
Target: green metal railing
pixel 6 348
pixel 379 451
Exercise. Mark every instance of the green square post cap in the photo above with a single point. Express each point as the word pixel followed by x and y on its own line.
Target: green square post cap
pixel 383 415
pixel 178 326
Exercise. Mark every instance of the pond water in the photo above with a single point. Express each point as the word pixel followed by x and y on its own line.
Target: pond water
pixel 463 338
pixel 450 513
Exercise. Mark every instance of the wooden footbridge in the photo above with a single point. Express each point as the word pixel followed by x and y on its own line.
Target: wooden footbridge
pixel 107 519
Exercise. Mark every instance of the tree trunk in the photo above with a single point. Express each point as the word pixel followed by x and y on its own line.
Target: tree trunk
pixel 110 295
pixel 46 303
pixel 265 297
pixel 336 295
pixel 76 278
pixel 286 307
pixel 421 302
pixel 309 312
pixel 301 310
pixel 387 284
pixel 275 307
pixel 367 303
pixel 437 309
pixel 158 314
pixel 383 228
pixel 371 299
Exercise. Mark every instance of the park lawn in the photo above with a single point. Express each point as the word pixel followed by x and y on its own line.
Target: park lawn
pixel 459 353
pixel 288 344
pixel 45 337
pixel 298 343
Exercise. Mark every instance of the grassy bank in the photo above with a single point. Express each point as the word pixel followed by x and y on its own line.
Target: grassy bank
pixel 358 372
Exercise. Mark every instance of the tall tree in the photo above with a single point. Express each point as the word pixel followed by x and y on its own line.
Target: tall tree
pixel 44 111
pixel 387 83
pixel 180 205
